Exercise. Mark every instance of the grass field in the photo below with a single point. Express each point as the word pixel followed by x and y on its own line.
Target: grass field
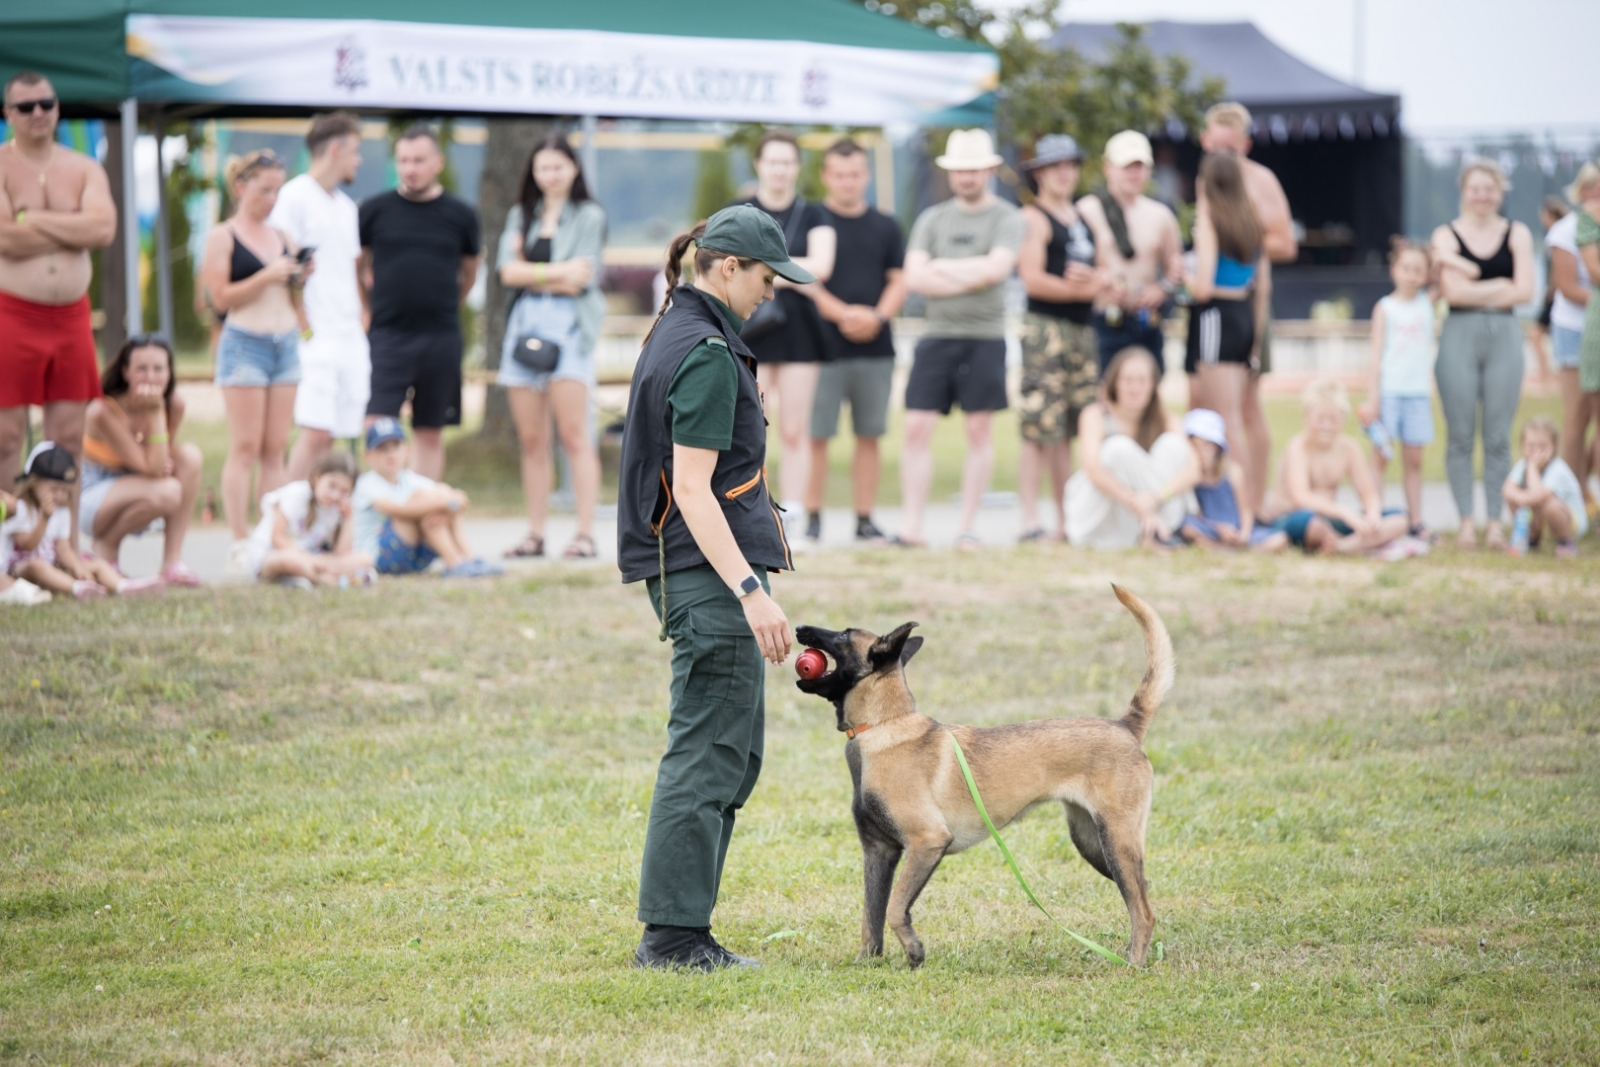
pixel 250 826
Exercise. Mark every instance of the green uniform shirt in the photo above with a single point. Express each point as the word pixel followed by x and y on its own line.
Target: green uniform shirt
pixel 705 391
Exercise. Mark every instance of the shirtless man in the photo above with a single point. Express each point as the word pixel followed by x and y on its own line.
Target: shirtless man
pixel 1144 266
pixel 1316 462
pixel 1227 132
pixel 55 205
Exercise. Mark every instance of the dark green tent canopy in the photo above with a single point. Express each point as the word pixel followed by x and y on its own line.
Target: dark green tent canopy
pixel 822 61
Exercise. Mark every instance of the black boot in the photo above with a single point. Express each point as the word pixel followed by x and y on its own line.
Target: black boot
pixel 689 948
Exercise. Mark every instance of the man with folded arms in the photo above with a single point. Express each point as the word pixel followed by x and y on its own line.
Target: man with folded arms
pixel 960 254
pixel 55 205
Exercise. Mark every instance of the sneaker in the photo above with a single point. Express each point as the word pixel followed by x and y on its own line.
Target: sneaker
pixel 1566 550
pixel 684 948
pixel 814 526
pixel 472 568
pixel 84 589
pixel 25 594
pixel 239 559
pixel 294 581
pixel 141 586
pixel 867 530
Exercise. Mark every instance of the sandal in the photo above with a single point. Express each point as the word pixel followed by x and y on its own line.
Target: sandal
pixel 1035 534
pixel 900 542
pixel 967 541
pixel 1494 538
pixel 580 547
pixel 180 573
pixel 527 548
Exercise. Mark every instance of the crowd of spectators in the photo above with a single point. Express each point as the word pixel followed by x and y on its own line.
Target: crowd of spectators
pixel 337 317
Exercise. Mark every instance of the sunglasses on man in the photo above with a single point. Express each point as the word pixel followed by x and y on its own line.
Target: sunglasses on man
pixel 26 107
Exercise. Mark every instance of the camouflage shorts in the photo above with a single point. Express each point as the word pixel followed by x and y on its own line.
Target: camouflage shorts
pixel 1060 374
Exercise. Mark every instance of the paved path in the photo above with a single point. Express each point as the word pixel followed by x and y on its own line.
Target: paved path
pixel 206 548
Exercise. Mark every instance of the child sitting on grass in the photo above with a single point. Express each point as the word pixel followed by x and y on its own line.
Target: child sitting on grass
pixel 305 536
pixel 1224 518
pixel 405 520
pixel 1544 484
pixel 17 591
pixel 1400 397
pixel 38 539
pixel 1318 460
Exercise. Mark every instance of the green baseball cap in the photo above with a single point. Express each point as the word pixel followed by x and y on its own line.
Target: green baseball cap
pixel 750 233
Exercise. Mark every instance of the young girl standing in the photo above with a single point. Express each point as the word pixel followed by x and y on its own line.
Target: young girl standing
pixel 1401 394
pixel 305 536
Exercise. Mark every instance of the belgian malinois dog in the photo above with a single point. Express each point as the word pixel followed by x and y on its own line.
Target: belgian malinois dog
pixel 912 803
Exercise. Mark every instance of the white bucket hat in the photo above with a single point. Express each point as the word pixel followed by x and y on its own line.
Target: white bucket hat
pixel 969 150
pixel 1206 425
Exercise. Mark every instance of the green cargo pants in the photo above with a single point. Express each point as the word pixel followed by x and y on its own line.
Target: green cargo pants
pixel 714 738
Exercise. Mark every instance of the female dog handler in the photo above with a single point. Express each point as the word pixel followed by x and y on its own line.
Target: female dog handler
pixel 695 521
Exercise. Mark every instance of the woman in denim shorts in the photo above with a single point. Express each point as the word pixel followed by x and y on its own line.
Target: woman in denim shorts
pixel 251 276
pixel 551 245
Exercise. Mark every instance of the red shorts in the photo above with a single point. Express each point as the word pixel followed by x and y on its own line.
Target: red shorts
pixel 47 352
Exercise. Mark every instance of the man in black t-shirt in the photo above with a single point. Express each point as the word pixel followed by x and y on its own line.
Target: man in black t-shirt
pixel 420 250
pixel 856 303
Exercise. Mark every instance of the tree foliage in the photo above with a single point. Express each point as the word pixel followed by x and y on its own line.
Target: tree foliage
pixel 1048 90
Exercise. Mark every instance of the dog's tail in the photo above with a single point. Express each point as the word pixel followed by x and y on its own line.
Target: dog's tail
pixel 1158 671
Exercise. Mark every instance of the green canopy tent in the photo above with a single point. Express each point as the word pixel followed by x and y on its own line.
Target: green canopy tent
pixel 803 62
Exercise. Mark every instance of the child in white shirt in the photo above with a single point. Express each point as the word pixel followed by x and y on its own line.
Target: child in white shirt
pixel 38 538
pixel 1401 394
pixel 1544 484
pixel 305 537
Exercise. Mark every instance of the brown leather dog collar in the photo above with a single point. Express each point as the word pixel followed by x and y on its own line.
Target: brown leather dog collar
pixel 851 731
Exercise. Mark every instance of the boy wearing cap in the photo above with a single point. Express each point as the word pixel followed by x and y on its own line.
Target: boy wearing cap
pixel 1060 368
pixel 696 524
pixel 960 254
pixel 405 520
pixel 1137 241
pixel 1225 516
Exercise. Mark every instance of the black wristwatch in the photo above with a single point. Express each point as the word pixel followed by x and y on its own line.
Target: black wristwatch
pixel 748 586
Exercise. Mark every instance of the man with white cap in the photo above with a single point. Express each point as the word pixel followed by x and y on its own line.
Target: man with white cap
pixel 960 254
pixel 1138 243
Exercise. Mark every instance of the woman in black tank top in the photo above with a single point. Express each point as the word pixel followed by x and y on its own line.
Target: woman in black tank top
pixel 250 275
pixel 1485 270
pixel 1060 368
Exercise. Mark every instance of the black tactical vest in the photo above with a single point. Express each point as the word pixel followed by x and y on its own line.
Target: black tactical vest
pixel 645 508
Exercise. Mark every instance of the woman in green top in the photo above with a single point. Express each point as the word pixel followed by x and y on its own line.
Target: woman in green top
pixel 696 524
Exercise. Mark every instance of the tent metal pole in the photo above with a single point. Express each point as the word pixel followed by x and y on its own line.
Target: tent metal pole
pixel 129 128
pixel 590 152
pixel 163 236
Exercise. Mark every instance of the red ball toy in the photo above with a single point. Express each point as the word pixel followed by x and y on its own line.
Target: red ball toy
pixel 811 664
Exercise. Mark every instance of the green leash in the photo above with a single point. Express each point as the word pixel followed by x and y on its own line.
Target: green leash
pixel 972 786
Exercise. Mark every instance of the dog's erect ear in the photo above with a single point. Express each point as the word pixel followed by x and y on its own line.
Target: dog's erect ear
pixel 890 646
pixel 910 650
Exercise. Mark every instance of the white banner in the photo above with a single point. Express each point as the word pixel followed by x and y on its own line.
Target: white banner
pixel 430 67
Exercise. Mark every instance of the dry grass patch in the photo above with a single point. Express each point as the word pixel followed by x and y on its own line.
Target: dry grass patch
pixel 404 826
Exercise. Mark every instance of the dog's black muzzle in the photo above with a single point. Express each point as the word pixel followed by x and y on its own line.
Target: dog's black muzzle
pixel 835 644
